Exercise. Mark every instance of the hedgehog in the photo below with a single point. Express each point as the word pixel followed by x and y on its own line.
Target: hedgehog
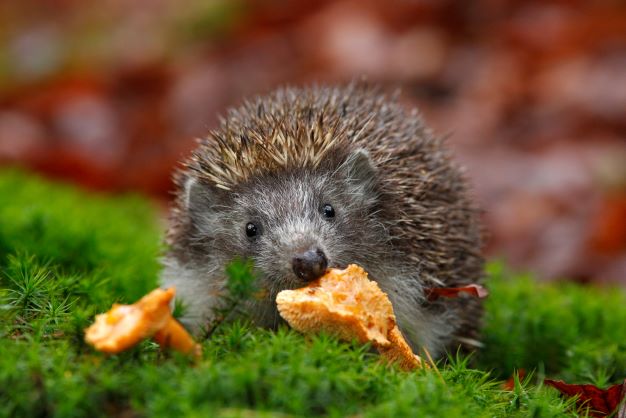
pixel 308 178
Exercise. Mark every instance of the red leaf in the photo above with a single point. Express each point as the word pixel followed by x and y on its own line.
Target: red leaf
pixel 474 290
pixel 602 402
pixel 510 383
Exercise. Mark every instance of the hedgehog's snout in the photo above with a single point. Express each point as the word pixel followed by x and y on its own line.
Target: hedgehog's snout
pixel 310 264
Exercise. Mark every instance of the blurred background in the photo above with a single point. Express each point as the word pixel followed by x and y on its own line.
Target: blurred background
pixel 532 94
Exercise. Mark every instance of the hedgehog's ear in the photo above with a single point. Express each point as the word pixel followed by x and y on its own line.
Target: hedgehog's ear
pixel 199 199
pixel 358 169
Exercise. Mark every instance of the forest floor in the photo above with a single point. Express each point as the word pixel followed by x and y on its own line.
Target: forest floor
pixel 66 255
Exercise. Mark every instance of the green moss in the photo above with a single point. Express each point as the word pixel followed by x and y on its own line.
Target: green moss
pixel 565 330
pixel 65 255
pixel 101 239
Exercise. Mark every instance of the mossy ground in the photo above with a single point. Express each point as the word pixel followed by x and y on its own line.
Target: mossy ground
pixel 66 255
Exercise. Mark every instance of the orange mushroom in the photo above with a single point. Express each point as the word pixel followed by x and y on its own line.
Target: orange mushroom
pixel 125 325
pixel 349 305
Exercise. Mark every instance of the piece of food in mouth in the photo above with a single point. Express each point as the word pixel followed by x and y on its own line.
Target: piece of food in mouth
pixel 125 325
pixel 352 307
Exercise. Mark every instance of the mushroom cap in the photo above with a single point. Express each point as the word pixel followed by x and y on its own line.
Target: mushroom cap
pixel 125 325
pixel 342 302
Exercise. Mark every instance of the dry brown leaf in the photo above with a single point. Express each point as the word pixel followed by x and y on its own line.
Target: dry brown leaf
pixel 602 402
pixel 474 290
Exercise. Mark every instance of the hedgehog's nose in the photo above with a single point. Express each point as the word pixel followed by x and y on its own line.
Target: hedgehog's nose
pixel 310 265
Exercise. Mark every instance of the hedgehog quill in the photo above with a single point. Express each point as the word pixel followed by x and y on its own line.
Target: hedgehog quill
pixel 310 178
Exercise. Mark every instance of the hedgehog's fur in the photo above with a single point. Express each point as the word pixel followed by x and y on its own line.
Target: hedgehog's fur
pixel 419 226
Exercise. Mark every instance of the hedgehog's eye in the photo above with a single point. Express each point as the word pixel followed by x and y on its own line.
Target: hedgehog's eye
pixel 252 230
pixel 328 211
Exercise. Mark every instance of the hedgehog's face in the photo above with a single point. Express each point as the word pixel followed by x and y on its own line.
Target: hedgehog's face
pixel 294 225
